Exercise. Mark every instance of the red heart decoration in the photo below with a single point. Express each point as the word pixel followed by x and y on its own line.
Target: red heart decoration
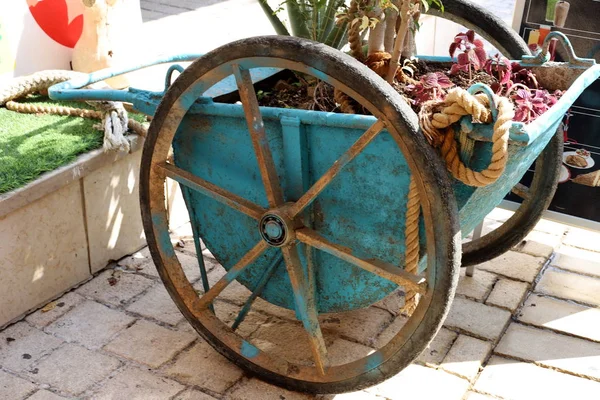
pixel 52 16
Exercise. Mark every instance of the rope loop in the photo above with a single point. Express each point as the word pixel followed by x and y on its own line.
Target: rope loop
pixel 115 120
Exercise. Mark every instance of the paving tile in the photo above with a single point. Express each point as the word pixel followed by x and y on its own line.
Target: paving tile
pixel 438 348
pixel 115 287
pixel 189 264
pixel 362 325
pixel 567 285
pixel 157 304
pixel 134 383
pixel 90 324
pixel 391 331
pixel 52 311
pixel 507 294
pixel 21 345
pixel 45 395
pixel 512 264
pixel 477 286
pixel 583 239
pixel 517 380
pixel 577 260
pixel 547 226
pixel 193 394
pixel 257 389
pixel 140 261
pixel 271 309
pixel 227 313
pixel 562 316
pixel 490 225
pixel 566 353
pixel 275 336
pixel 476 318
pixel 393 302
pixel 12 387
pixel 344 352
pixel 415 382
pixel 72 368
pixel 150 344
pixel 539 244
pixel 235 292
pixel 466 356
pixel 203 366
pixel 478 396
pixel 185 326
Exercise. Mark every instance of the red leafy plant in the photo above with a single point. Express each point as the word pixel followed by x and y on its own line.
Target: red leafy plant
pixel 523 76
pixel 471 54
pixel 531 103
pixel 500 68
pixel 431 86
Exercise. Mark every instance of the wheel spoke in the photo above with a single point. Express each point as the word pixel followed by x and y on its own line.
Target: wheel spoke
pixel 521 190
pixel 305 304
pixel 219 194
pixel 264 279
pixel 375 266
pixel 259 137
pixel 337 166
pixel 233 273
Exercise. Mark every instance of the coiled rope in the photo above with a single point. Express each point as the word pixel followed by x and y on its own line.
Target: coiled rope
pixel 115 122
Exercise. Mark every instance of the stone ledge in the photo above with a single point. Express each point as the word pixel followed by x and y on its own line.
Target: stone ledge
pixel 61 228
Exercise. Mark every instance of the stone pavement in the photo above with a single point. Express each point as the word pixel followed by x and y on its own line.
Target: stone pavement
pixel 526 326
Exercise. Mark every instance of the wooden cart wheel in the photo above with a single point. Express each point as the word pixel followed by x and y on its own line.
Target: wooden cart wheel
pixel 278 223
pixel 536 200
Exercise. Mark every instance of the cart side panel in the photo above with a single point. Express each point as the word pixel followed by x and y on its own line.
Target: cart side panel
pixel 348 212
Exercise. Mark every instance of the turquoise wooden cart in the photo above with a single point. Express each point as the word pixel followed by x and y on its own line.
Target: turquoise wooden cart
pixel 307 209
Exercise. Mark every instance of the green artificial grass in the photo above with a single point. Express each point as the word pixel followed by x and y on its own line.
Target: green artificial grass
pixel 31 144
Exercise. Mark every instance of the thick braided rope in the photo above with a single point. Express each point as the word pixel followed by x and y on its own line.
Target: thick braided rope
pixel 347 104
pixel 136 127
pixel 457 104
pixel 27 108
pixel 379 62
pixel 22 86
pixel 411 240
pixel 354 39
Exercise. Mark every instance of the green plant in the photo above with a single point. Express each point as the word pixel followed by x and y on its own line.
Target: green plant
pixel 310 19
pixel 392 25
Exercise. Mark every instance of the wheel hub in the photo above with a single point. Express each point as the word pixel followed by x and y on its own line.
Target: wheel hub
pixel 274 230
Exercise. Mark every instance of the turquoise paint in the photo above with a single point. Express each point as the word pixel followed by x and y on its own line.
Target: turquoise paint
pixel 295 156
pixel 163 239
pixel 248 350
pixel 373 361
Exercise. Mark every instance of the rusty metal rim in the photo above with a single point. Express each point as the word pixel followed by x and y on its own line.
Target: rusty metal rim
pixel 192 84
